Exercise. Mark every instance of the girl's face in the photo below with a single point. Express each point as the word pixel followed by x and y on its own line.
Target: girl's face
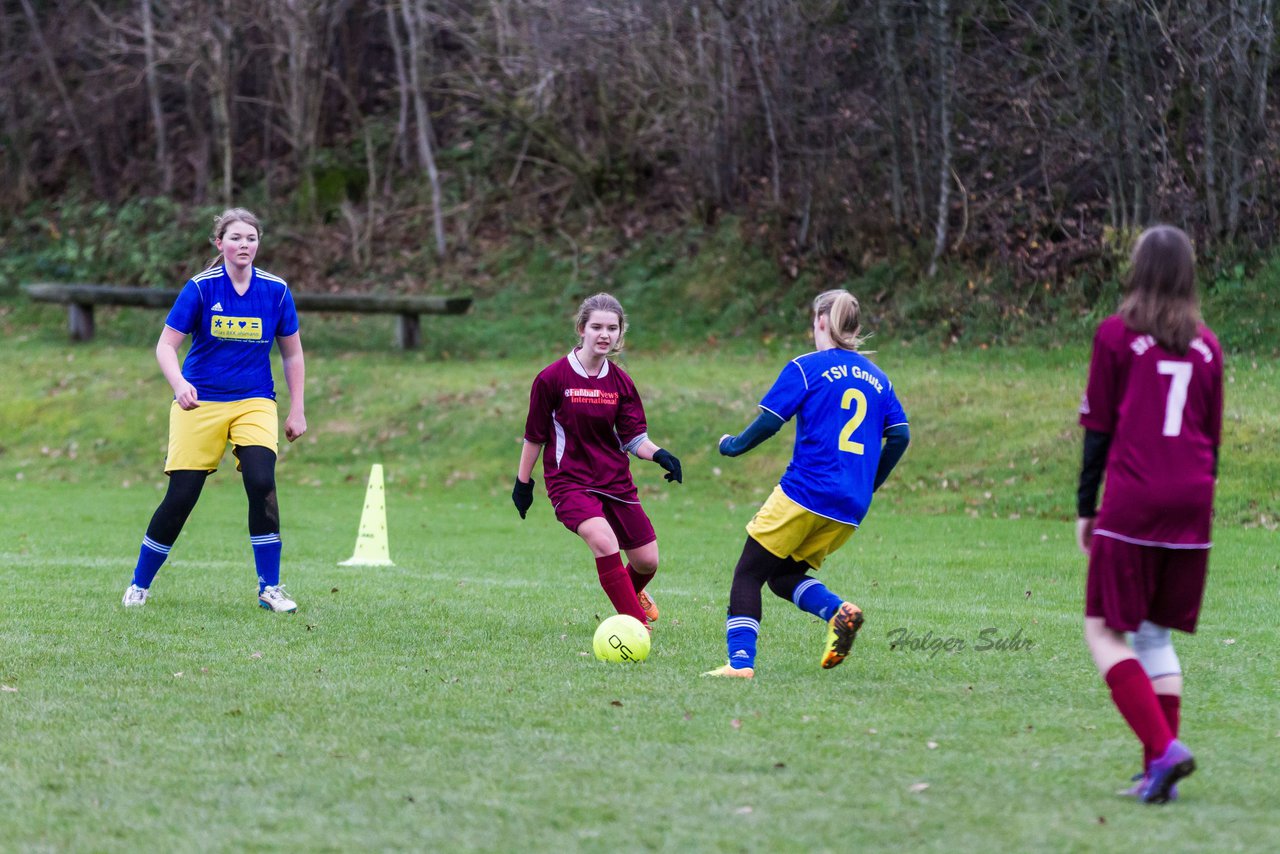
pixel 238 244
pixel 601 333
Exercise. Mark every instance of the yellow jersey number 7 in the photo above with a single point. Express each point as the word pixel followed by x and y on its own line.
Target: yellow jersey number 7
pixel 855 398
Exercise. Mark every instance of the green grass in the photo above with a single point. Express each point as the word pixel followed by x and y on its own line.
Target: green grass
pixel 451 701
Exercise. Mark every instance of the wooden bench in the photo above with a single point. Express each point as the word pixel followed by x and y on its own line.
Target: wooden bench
pixel 80 300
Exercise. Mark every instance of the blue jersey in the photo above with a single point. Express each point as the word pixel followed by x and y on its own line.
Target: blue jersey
pixel 231 335
pixel 843 404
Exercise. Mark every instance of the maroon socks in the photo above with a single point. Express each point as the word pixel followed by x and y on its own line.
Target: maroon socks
pixel 638 581
pixel 618 586
pixel 1171 705
pixel 1133 695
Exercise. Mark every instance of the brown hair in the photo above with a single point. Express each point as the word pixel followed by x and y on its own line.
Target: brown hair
pixel 844 317
pixel 223 221
pixel 1160 294
pixel 601 302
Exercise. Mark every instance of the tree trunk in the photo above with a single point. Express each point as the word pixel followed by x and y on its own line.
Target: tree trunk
pixel 220 104
pixel 766 106
pixel 1209 119
pixel 400 146
pixel 304 35
pixel 426 156
pixel 1266 37
pixel 1130 141
pixel 728 152
pixel 163 165
pixel 220 84
pixel 942 52
pixel 895 90
pixel 83 141
pixel 199 157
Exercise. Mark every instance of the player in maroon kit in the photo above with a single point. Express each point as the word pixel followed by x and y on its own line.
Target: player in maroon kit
pixel 589 414
pixel 1152 414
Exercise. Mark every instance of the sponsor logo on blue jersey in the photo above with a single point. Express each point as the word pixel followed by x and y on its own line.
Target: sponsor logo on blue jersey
pixel 236 328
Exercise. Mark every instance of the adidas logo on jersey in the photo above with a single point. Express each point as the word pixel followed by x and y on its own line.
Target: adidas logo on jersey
pixel 217 306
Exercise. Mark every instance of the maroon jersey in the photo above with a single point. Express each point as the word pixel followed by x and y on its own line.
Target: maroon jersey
pixel 584 422
pixel 1164 415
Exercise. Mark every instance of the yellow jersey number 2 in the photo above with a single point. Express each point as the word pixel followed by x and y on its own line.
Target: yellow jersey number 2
pixel 855 398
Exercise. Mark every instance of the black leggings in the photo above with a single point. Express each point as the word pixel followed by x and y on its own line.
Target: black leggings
pixel 258 470
pixel 756 567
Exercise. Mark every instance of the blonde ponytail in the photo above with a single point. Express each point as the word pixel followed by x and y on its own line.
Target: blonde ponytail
pixel 844 317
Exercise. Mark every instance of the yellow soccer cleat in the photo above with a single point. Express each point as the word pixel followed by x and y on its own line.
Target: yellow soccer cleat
pixel 647 605
pixel 842 629
pixel 733 672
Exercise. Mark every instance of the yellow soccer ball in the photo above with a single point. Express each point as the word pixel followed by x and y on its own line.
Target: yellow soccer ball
pixel 621 638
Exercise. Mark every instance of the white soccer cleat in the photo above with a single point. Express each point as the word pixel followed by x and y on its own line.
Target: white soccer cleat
pixel 274 598
pixel 135 596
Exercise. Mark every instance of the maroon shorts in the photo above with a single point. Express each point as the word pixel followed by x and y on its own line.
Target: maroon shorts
pixel 1129 583
pixel 629 523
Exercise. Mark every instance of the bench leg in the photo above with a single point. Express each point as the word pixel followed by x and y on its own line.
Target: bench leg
pixel 409 332
pixel 80 321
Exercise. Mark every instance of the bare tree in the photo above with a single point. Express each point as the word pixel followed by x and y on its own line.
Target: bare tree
pixel 163 165
pixel 399 147
pixel 939 15
pixel 416 28
pixel 857 124
pixel 303 32
pixel 82 139
pixel 219 63
pixel 750 46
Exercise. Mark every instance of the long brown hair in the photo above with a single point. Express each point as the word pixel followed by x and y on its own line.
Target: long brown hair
pixel 844 317
pixel 1160 296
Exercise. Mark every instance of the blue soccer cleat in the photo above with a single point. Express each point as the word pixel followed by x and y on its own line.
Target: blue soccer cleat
pixel 1176 763
pixel 1139 786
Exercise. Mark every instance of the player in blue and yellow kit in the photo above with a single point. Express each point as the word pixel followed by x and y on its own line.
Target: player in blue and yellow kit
pixel 850 433
pixel 223 392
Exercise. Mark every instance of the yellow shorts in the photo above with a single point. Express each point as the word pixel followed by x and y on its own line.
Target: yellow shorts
pixel 198 437
pixel 788 530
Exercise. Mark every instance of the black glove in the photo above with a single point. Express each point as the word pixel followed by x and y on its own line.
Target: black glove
pixel 668 461
pixel 522 495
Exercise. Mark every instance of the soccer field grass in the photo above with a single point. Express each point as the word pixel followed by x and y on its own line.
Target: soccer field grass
pixel 451 702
